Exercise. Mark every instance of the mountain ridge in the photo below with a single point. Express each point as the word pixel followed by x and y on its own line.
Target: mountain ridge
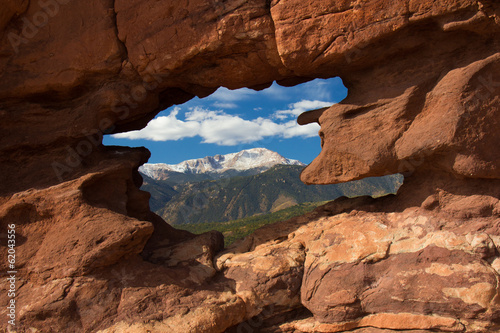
pixel 238 185
pixel 238 197
pixel 219 166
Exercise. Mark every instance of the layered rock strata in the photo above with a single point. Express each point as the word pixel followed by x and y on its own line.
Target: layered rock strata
pixel 423 100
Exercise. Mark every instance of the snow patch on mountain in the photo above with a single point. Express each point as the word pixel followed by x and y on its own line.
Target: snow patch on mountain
pixel 256 158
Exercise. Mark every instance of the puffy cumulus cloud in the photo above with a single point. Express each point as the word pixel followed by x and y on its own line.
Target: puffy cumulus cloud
pixel 297 108
pixel 219 128
pixel 164 129
pixel 228 130
pixel 292 129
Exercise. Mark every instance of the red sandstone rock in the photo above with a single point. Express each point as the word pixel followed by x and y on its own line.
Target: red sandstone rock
pixel 424 122
pixel 423 99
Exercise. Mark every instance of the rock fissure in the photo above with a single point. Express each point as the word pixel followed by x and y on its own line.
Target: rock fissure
pixel 122 43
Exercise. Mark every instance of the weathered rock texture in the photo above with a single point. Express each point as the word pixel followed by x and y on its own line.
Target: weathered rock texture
pixel 423 100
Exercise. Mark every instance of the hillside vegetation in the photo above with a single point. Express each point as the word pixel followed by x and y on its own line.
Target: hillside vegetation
pixel 229 199
pixel 236 229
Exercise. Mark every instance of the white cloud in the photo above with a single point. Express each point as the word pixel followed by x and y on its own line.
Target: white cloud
pixel 164 129
pixel 317 89
pixel 314 90
pixel 218 127
pixel 229 130
pixel 225 95
pixel 225 105
pixel 296 109
pixel 227 99
pixel 277 92
pixel 306 131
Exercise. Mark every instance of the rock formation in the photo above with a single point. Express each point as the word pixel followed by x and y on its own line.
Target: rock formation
pixel 423 100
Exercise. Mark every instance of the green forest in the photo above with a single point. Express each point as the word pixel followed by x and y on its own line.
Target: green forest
pixel 236 229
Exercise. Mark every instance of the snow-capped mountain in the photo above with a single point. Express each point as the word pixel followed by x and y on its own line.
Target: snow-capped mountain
pixel 260 159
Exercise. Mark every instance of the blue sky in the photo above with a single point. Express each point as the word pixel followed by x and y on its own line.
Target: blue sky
pixel 229 121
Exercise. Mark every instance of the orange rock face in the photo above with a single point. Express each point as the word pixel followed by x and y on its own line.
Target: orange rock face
pixel 423 100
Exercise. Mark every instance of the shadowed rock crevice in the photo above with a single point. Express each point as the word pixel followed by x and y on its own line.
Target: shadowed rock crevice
pixel 123 46
pixel 423 101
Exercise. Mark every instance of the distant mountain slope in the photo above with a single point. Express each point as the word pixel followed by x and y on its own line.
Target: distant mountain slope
pixel 237 229
pixel 161 192
pixel 238 197
pixel 246 162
